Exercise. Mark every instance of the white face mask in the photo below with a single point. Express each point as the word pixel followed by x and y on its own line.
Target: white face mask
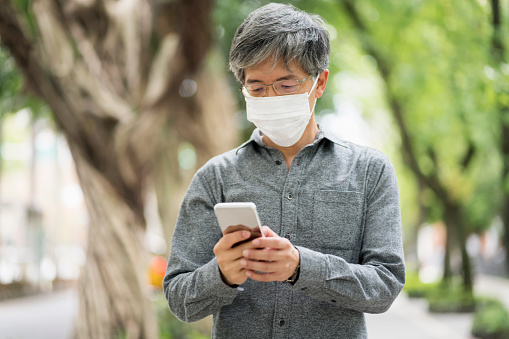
pixel 282 118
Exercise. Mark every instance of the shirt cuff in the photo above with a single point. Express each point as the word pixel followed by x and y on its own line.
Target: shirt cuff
pixel 210 277
pixel 313 269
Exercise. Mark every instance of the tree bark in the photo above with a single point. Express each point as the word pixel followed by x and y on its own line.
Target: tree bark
pixel 112 72
pixel 204 120
pixel 1 158
pixel 454 219
pixel 113 292
pixel 498 52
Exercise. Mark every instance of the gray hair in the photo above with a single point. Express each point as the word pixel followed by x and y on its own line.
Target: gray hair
pixel 280 31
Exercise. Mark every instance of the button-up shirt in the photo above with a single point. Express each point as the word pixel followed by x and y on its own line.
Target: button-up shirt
pixel 338 204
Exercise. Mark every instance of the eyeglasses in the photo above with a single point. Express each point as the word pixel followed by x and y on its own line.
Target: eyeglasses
pixel 281 87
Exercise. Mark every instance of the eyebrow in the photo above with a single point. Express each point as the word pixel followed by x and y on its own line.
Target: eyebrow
pixel 286 77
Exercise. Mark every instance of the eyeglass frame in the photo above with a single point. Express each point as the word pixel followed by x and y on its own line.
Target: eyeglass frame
pixel 274 87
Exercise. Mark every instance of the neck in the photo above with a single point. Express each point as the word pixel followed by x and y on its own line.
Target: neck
pixel 290 152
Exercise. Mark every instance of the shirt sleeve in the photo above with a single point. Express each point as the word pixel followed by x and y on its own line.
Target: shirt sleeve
pixel 372 284
pixel 192 284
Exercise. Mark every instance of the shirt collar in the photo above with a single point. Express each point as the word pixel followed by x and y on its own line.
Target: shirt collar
pixel 256 137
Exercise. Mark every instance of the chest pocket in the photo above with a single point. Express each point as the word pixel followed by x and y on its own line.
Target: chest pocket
pixel 337 219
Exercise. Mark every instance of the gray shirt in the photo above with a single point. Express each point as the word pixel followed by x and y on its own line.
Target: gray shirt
pixel 338 204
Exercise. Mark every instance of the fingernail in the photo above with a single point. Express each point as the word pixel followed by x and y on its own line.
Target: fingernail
pixel 256 242
pixel 243 263
pixel 245 253
pixel 245 234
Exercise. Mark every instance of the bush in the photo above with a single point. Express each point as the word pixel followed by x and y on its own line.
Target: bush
pixel 442 298
pixel 172 328
pixel 450 299
pixel 415 288
pixel 491 320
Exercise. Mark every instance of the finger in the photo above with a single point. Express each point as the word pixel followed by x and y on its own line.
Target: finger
pixel 264 254
pixel 264 266
pixel 271 242
pixel 235 228
pixel 230 239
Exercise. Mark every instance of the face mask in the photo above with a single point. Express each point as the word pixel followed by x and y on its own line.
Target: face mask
pixel 282 118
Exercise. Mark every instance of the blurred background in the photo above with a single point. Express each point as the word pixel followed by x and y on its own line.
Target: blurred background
pixel 107 109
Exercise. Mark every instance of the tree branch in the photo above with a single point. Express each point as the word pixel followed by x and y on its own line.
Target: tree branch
pixel 409 155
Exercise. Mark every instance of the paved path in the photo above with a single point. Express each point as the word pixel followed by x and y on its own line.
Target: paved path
pixel 43 317
pixel 492 286
pixel 408 318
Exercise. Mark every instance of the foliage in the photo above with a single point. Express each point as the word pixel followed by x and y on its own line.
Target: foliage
pixel 12 96
pixel 491 320
pixel 450 298
pixel 10 84
pixel 439 73
pixel 415 288
pixel 172 328
pixel 443 92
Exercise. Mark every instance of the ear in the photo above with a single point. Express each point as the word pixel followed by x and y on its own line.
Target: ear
pixel 321 83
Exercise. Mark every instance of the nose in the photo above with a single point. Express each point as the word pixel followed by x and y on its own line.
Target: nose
pixel 270 92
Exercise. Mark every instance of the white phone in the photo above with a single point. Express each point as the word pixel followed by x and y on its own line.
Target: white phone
pixel 234 216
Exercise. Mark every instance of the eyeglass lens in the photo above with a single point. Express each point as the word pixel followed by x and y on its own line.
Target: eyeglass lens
pixel 281 87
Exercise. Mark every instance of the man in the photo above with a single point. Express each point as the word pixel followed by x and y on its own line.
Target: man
pixel 333 246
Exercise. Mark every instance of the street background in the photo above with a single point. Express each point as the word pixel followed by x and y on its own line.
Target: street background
pixel 108 109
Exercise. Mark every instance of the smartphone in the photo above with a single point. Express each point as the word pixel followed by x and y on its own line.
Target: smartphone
pixel 235 216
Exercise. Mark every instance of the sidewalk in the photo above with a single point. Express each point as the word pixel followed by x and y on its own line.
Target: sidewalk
pixel 410 317
pixel 485 285
pixel 49 316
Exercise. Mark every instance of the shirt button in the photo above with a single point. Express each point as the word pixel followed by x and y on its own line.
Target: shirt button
pixel 288 236
pixel 278 162
pixel 290 196
pixel 281 322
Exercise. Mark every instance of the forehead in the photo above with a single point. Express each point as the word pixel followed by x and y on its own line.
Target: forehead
pixel 267 70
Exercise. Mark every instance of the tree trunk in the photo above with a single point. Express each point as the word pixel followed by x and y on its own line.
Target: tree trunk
pixel 1 158
pixel 505 216
pixel 447 274
pixel 206 123
pixel 432 179
pixel 456 226
pixel 113 290
pixel 113 74
pixel 498 50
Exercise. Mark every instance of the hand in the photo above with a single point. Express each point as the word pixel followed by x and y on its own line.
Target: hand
pixel 273 255
pixel 228 251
